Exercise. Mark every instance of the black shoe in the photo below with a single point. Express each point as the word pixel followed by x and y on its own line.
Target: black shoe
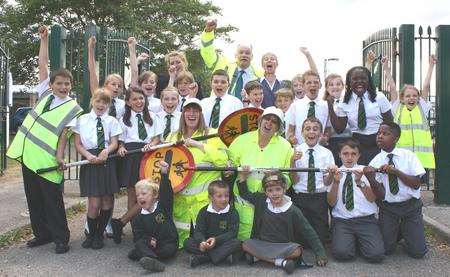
pixel 300 263
pixel 288 266
pixel 152 264
pixel 132 255
pixel 87 243
pixel 196 260
pixel 61 247
pixel 249 258
pixel 37 242
pixel 117 227
pixel 97 242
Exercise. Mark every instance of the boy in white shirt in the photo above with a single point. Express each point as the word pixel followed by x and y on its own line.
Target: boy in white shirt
pixel 397 185
pixel 353 201
pixel 255 95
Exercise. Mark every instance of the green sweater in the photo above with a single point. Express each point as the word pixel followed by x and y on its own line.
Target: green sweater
pixel 223 227
pixel 298 225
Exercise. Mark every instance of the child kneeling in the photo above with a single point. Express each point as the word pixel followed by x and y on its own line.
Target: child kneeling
pixel 154 232
pixel 215 235
pixel 278 226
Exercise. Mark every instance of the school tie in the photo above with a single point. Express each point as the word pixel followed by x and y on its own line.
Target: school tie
pixel 183 99
pixel 112 108
pixel 347 192
pixel 100 134
pixel 168 123
pixel 393 181
pixel 214 121
pixel 312 109
pixel 141 127
pixel 362 122
pixel 48 103
pixel 239 85
pixel 311 175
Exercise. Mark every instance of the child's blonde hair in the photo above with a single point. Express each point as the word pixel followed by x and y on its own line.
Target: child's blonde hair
pixel 310 73
pixel 328 79
pixel 284 92
pixel 179 54
pixel 406 86
pixel 113 76
pixel 299 78
pixel 148 184
pixel 168 89
pixel 184 76
pixel 101 94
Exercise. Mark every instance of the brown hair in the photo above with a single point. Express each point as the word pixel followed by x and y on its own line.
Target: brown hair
pixel 102 96
pixel 309 73
pixel 144 76
pixel 314 120
pixel 271 177
pixel 298 77
pixel 184 76
pixel 406 86
pixel 62 72
pixel 177 54
pixel 252 85
pixel 328 79
pixel 220 72
pixel 284 92
pixel 352 143
pixel 145 112
pixel 267 54
pixel 183 127
pixel 216 184
pixel 167 89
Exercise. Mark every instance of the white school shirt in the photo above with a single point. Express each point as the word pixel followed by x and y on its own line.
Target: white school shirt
pixel 282 209
pixel 174 122
pixel 425 105
pixel 252 106
pixel 228 105
pixel 154 104
pixel 181 101
pixel 362 206
pixel 224 211
pixel 298 112
pixel 347 132
pixel 87 129
pixel 405 161
pixel 374 111
pixel 120 107
pixel 131 134
pixel 323 158
pixel 144 211
pixel 45 86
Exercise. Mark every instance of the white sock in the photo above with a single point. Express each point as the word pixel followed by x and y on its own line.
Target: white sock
pixel 279 262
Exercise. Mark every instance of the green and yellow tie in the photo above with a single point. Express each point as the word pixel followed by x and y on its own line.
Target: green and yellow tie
pixel 141 127
pixel 347 192
pixel 100 134
pixel 312 109
pixel 48 103
pixel 214 121
pixel 393 181
pixel 362 121
pixel 112 108
pixel 311 175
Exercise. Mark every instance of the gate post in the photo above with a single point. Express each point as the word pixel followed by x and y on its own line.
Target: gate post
pixel 406 54
pixel 91 30
pixel 442 184
pixel 57 47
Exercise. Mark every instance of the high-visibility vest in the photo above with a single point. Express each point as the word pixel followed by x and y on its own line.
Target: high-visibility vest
pixel 214 61
pixel 415 135
pixel 188 202
pixel 37 138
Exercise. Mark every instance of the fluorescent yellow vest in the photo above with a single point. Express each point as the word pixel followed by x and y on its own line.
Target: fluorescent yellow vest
pixel 37 138
pixel 188 202
pixel 415 134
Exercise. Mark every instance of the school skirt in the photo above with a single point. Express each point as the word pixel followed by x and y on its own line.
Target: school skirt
pixel 129 165
pixel 270 250
pixel 369 148
pixel 98 180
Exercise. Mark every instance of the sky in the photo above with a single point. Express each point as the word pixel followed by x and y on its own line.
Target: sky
pixel 330 29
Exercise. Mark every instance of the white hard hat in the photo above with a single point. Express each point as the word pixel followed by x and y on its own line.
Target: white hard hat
pixel 275 111
pixel 194 101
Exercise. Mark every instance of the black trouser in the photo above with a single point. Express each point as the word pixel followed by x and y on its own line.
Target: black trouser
pixel 46 207
pixel 406 218
pixel 314 207
pixel 369 147
pixel 362 231
pixel 163 249
pixel 219 253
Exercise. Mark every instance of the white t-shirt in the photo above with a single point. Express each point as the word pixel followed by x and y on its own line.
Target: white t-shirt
pixel 131 134
pixel 228 105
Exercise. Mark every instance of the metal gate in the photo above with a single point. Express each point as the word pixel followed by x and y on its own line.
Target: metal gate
pixel 4 108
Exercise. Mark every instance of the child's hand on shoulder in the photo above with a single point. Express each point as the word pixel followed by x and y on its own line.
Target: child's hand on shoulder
pixel 43 32
pixel 211 25
pixel 164 167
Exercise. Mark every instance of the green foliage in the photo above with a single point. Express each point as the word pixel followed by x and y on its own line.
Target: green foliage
pixel 167 24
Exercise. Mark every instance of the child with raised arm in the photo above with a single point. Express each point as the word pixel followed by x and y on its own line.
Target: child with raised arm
pixel 278 226
pixel 154 233
pixel 215 234
pixel 397 186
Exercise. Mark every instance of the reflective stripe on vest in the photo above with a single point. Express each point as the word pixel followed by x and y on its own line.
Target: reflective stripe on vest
pixel 196 190
pixel 42 144
pixel 182 225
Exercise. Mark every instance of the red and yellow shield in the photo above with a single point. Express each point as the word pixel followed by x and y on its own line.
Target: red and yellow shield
pixel 239 122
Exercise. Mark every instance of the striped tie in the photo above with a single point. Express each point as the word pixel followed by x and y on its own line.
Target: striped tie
pixel 100 134
pixel 312 109
pixel 347 192
pixel 239 85
pixel 168 123
pixel 311 175
pixel 112 108
pixel 48 103
pixel 183 99
pixel 141 127
pixel 214 121
pixel 393 181
pixel 362 122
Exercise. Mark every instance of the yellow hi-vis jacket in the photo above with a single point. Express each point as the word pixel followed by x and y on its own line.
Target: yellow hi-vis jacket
pixel 188 202
pixel 36 141
pixel 244 150
pixel 214 61
pixel 415 135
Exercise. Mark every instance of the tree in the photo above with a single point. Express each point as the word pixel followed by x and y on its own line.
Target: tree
pixel 167 24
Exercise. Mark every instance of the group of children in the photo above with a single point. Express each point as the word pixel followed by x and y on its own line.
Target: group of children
pixel 371 186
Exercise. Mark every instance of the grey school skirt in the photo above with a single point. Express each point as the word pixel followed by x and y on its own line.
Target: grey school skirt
pixel 270 250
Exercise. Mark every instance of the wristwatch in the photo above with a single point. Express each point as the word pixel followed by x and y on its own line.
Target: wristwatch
pixel 361 184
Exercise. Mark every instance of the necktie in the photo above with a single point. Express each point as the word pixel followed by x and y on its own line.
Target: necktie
pixel 393 181
pixel 214 121
pixel 183 99
pixel 141 127
pixel 361 114
pixel 168 123
pixel 100 134
pixel 311 175
pixel 311 110
pixel 112 108
pixel 347 192
pixel 239 85
pixel 48 103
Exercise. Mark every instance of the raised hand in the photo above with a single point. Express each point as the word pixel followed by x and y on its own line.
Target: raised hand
pixel 432 60
pixel 211 25
pixel 132 41
pixel 142 57
pixel 305 51
pixel 43 32
pixel 91 42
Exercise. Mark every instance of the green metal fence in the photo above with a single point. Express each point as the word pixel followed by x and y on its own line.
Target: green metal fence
pixel 4 95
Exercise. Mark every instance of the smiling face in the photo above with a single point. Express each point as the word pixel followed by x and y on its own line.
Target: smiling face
pixel 244 56
pixel 114 86
pixel 410 97
pixel 359 82
pixel 191 115
pixel 269 63
pixel 311 84
pixel 183 87
pixel 149 86
pixel 219 85
pixel 311 132
pixel 177 62
pixel 270 124
pixel 61 86
pixel 256 97
pixel 146 198
pixel 275 192
pixel 283 103
pixel 298 89
pixel 99 106
pixel 386 139
pixel 136 102
pixel 349 156
pixel 335 87
pixel 169 100
pixel 220 198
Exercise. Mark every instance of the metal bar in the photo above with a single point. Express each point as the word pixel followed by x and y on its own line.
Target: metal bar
pixel 406 50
